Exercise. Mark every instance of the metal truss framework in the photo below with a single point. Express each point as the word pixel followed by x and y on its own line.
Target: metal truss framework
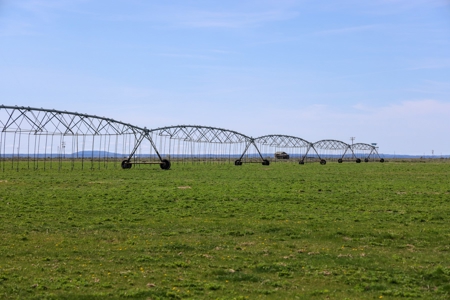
pixel 365 151
pixel 297 147
pixel 189 134
pixel 202 134
pixel 331 145
pixel 283 141
pixel 44 134
pixel 50 121
pixel 332 148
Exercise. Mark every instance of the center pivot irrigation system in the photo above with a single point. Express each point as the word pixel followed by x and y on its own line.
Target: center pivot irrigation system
pixel 45 138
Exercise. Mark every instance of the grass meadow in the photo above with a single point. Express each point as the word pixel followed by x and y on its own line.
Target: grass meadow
pixel 219 231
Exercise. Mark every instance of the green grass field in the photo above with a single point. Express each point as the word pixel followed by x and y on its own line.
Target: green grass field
pixel 218 231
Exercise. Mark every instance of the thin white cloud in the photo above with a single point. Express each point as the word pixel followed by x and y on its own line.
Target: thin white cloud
pixel 345 30
pixel 432 87
pixel 211 19
pixel 427 107
pixel 47 10
pixel 410 4
pixel 431 63
pixel 175 15
pixel 16 28
pixel 24 17
pixel 389 7
pixel 186 55
pixel 181 17
pixel 405 113
pixel 38 6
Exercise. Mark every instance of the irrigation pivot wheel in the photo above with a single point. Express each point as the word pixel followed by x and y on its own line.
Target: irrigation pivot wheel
pixel 366 160
pixel 382 160
pixel 340 160
pixel 265 162
pixel 238 162
pixel 165 164
pixel 358 160
pixel 126 164
pixel 302 162
pixel 323 162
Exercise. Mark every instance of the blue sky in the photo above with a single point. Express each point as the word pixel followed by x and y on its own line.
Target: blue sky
pixel 377 70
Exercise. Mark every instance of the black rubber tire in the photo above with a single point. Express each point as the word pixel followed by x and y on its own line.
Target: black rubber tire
pixel 238 162
pixel 323 162
pixel 366 160
pixel 165 164
pixel 340 160
pixel 301 162
pixel 265 162
pixel 358 160
pixel 126 164
pixel 382 160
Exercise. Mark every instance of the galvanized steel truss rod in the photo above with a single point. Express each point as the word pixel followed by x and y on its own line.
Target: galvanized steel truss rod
pixel 252 141
pixel 374 151
pixel 144 135
pixel 353 154
pixel 307 151
pixel 68 121
pixel 312 147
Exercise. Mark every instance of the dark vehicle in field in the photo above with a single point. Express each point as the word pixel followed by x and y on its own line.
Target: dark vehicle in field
pixel 281 155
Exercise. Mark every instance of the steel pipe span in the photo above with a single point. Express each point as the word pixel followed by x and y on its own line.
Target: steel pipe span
pixel 201 134
pixel 283 148
pixel 332 150
pixel 45 138
pixel 280 140
pixel 366 152
pixel 48 138
pixel 39 120
pixel 195 143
